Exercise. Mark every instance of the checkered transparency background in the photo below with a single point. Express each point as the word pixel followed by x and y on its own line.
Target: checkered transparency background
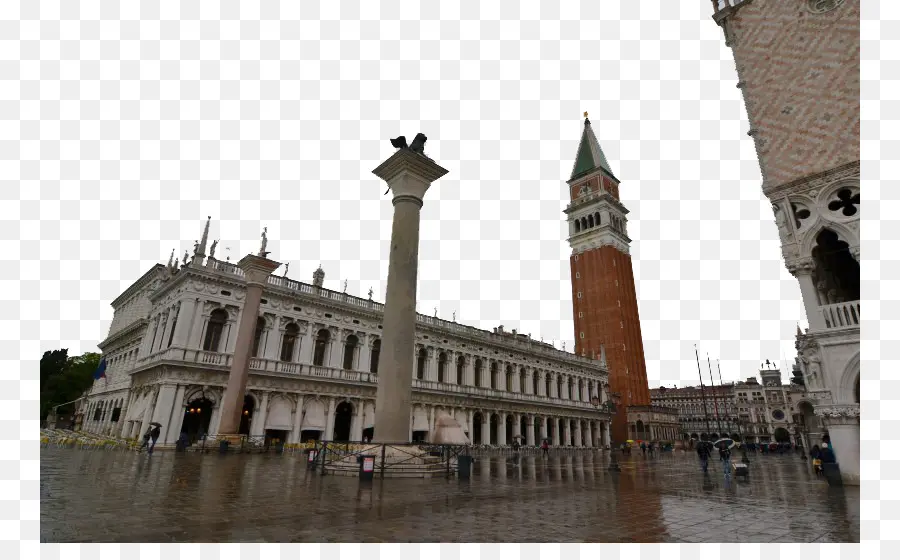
pixel 123 125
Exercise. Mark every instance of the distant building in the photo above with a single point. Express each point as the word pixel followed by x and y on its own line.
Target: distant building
pixel 753 411
pixel 653 423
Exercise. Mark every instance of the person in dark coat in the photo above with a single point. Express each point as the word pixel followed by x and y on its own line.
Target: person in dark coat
pixel 703 454
pixel 154 435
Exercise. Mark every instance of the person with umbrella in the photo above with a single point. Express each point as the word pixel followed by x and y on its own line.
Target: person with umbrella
pixel 150 438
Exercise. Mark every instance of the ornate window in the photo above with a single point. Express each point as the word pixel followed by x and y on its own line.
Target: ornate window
pixel 478 368
pixel 420 366
pixel 460 370
pixel 494 376
pixel 350 351
pixel 509 378
pixel 442 367
pixel 376 353
pixel 214 328
pixel 845 202
pixel 257 336
pixel 288 341
pixel 322 339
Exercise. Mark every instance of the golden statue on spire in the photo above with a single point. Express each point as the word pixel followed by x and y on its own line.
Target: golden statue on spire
pixel 585 114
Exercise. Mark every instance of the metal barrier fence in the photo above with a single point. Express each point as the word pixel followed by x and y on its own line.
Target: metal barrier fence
pixel 410 459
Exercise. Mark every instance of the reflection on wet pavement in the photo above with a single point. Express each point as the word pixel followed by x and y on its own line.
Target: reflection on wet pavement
pixel 188 497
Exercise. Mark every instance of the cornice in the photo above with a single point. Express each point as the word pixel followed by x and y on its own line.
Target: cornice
pixel 138 285
pixel 815 181
pixel 131 329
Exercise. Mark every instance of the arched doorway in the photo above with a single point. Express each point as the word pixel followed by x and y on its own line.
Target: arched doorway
pixel 510 429
pixel 246 416
pixel 551 430
pixel 350 351
pixel 343 418
pixel 214 327
pixel 420 363
pixel 523 428
pixel 376 355
pixel 495 428
pixel 289 341
pixel 639 430
pixel 782 435
pixel 197 415
pixel 477 421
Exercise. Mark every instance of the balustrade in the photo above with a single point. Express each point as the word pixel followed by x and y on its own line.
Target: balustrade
pixel 841 315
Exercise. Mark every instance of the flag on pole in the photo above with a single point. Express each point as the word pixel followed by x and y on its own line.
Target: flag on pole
pixel 101 369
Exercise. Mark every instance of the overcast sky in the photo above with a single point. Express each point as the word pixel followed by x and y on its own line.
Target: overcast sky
pixel 137 128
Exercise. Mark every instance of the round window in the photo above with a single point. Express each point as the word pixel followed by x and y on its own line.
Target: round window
pixel 778 415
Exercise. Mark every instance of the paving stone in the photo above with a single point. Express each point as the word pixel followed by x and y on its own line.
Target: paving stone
pixel 101 496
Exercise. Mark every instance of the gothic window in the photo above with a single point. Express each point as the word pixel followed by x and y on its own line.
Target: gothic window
pixel 288 341
pixel 800 212
pixel 845 203
pixel 494 376
pixel 460 370
pixel 350 350
pixel 376 353
pixel 257 336
pixel 478 367
pixel 509 378
pixel 214 328
pixel 420 366
pixel 322 339
pixel 442 367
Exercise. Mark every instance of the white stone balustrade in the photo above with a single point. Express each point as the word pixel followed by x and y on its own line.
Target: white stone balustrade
pixel 841 315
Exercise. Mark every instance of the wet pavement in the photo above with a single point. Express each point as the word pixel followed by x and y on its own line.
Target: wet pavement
pixel 104 496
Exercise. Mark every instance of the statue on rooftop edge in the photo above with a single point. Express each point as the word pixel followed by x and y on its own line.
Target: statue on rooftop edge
pixel 263 242
pixel 212 249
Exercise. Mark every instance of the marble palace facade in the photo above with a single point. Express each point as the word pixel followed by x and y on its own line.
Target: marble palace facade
pixel 314 370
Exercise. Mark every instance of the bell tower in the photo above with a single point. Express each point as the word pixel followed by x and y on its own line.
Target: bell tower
pixel 604 300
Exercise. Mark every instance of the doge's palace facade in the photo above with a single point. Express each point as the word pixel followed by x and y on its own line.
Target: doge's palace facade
pixel 314 370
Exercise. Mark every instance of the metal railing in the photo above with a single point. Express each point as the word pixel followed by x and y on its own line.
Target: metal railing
pixel 413 459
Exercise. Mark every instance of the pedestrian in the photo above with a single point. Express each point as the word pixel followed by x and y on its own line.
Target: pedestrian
pixel 545 448
pixel 726 459
pixel 703 454
pixel 516 447
pixel 644 448
pixel 154 435
pixel 146 441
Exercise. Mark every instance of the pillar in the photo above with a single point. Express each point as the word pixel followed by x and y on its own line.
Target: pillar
pixel 843 428
pixel 256 270
pixel 258 423
pixel 307 343
pixel 329 420
pixel 356 427
pixel 544 421
pixel 804 272
pixel 590 434
pixel 298 420
pixel 486 429
pixel 173 430
pixel 365 354
pixel 529 430
pixel 162 411
pixel 501 430
pixel 186 319
pixel 408 174
pixel 556 435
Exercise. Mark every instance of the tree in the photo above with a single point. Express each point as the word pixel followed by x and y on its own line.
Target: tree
pixel 68 383
pixel 53 363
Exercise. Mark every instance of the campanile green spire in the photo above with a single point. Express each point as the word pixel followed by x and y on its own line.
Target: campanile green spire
pixel 590 156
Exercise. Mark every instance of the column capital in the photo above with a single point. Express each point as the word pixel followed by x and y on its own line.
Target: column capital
pixel 257 269
pixel 802 266
pixel 839 414
pixel 409 174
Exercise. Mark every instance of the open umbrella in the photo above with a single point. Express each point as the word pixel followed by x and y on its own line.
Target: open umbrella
pixel 157 424
pixel 724 443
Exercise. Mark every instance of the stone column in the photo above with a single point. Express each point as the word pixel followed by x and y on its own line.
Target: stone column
pixel 590 434
pixel 298 420
pixel 408 174
pixel 272 340
pixel 555 424
pixel 173 430
pixel 307 343
pixel 259 419
pixel 256 270
pixel 329 420
pixel 543 432
pixel 356 428
pixel 843 428
pixel 529 430
pixel 803 271
pixel 469 370
pixel 365 353
pixel 163 409
pixel 486 429
pixel 501 430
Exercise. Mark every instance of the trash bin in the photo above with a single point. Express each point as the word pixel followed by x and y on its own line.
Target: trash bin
pixel 311 455
pixel 366 467
pixel 223 446
pixel 464 462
